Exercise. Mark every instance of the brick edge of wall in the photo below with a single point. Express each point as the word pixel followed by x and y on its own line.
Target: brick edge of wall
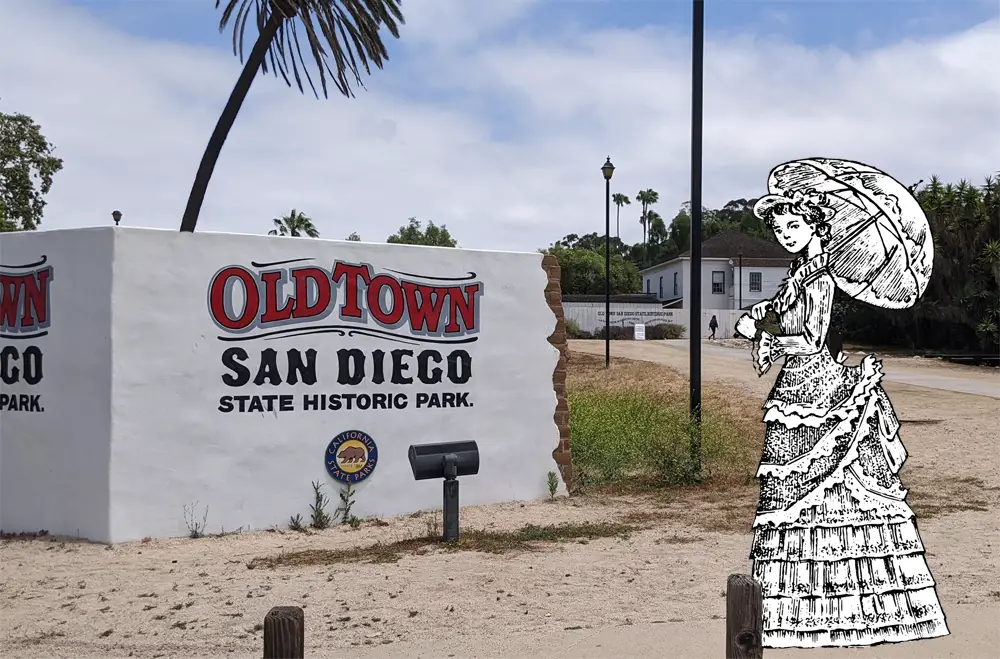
pixel 553 295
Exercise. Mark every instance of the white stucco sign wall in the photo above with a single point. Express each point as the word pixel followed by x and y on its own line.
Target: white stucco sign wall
pixel 234 370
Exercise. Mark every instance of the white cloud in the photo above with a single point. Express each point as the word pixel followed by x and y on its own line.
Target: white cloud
pixel 131 116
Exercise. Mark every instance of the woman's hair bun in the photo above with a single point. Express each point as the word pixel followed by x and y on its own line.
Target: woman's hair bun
pixel 810 203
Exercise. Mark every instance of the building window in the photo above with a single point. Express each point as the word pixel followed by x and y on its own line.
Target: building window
pixel 661 288
pixel 755 282
pixel 718 282
pixel 649 284
pixel 676 275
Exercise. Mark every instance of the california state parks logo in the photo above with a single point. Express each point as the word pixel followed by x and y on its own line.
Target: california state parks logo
pixel 351 456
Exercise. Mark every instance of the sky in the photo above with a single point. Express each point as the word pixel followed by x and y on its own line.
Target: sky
pixel 494 118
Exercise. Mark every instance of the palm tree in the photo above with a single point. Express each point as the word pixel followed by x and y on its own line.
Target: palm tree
pixel 619 201
pixel 657 231
pixel 346 30
pixel 295 224
pixel 647 198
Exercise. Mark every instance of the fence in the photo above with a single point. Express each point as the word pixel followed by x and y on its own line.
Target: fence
pixel 284 626
pixel 589 317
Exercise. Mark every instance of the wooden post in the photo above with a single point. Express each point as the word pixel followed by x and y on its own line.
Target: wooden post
pixel 284 633
pixel 744 618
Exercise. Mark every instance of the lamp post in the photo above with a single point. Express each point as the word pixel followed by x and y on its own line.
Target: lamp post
pixel 608 170
pixel 694 317
pixel 116 216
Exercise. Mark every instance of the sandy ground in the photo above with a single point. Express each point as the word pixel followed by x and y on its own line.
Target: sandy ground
pixel 650 593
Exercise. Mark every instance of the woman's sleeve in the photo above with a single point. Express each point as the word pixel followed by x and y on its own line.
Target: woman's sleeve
pixel 817 305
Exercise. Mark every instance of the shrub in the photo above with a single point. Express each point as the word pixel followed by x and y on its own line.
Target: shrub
pixel 618 333
pixel 664 331
pixel 573 330
pixel 653 332
pixel 631 435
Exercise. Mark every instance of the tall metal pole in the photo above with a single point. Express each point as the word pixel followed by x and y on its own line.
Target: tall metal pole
pixel 741 280
pixel 608 170
pixel 607 272
pixel 694 320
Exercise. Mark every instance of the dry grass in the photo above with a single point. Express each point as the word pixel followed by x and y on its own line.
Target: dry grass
pixel 631 428
pixel 530 537
pixel 942 496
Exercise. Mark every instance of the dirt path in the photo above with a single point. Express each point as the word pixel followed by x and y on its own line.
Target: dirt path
pixel 725 361
pixel 625 596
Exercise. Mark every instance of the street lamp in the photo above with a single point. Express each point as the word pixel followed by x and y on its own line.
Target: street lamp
pixel 608 170
pixel 116 216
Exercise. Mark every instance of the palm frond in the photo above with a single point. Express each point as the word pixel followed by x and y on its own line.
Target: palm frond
pixel 346 31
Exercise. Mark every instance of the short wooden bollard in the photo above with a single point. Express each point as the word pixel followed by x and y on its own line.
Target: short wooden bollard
pixel 284 633
pixel 744 618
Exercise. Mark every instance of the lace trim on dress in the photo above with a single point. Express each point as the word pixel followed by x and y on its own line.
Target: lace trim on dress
pixel 792 415
pixel 791 287
pixel 852 576
pixel 852 611
pixel 826 543
pixel 865 500
pixel 763 352
pixel 823 447
pixel 783 638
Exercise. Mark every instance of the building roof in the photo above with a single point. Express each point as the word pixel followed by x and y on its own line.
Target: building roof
pixel 627 298
pixel 731 244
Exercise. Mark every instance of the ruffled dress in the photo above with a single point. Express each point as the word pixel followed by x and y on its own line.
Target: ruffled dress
pixel 836 548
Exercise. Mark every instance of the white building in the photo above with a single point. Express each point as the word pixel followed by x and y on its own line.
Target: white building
pixel 737 271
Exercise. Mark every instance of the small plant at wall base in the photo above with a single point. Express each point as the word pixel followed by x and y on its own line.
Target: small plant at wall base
pixel 295 523
pixel 320 518
pixel 346 503
pixel 552 480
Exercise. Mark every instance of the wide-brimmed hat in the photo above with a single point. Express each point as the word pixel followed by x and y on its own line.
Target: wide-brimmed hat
pixel 767 202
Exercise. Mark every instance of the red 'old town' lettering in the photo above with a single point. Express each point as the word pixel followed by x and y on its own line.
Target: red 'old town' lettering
pixel 240 299
pixel 24 300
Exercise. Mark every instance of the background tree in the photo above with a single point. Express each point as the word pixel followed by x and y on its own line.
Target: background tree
pixel 593 242
pixel 354 237
pixel 27 167
pixel 658 240
pixel 295 224
pixel 647 198
pixel 582 271
pixel 432 236
pixel 348 31
pixel 619 200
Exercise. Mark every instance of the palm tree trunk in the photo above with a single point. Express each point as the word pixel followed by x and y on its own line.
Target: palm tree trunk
pixel 645 247
pixel 618 215
pixel 226 121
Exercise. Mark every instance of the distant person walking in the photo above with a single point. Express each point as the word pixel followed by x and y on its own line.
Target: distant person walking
pixel 713 325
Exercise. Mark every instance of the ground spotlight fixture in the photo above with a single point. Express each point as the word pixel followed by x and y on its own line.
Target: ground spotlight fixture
pixel 447 460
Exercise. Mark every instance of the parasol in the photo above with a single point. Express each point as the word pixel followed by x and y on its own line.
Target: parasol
pixel 880 249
